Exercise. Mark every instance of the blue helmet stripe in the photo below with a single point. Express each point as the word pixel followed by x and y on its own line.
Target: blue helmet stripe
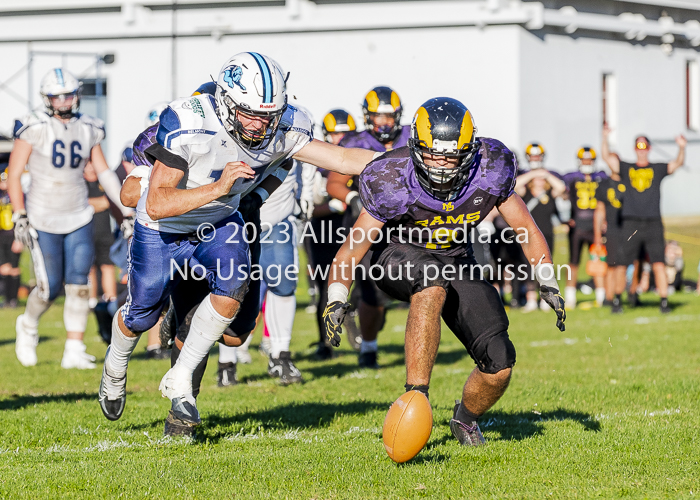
pixel 59 75
pixel 267 76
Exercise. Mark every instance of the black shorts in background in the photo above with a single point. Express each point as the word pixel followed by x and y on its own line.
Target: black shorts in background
pixel 7 256
pixel 577 238
pixel 102 237
pixel 647 234
pixel 614 244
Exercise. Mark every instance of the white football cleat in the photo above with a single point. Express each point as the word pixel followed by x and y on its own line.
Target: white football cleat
pixel 76 357
pixel 25 345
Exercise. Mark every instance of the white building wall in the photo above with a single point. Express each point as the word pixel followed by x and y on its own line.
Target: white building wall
pixel 520 86
pixel 561 96
pixel 327 70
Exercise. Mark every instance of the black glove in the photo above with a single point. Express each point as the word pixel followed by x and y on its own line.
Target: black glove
pixel 333 318
pixel 552 297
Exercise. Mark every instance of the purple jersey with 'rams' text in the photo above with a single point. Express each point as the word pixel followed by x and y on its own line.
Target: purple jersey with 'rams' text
pixel 390 193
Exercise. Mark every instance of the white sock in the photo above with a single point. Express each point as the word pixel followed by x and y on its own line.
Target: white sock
pixel 75 345
pixel 368 346
pixel 246 344
pixel 570 296
pixel 600 296
pixel 279 318
pixel 205 330
pixel 227 354
pixel 120 349
pixel 76 308
pixel 36 306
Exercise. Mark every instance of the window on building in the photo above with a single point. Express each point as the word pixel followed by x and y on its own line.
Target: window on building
pixel 610 105
pixel 692 95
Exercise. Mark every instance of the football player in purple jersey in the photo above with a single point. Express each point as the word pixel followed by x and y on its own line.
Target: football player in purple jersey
pixel 420 203
pixel 383 132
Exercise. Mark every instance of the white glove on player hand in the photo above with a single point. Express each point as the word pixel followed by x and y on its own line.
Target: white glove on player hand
pixel 127 226
pixel 24 232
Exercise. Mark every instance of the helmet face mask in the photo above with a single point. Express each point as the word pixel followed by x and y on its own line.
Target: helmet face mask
pixel 251 98
pixel 535 156
pixel 586 160
pixel 443 146
pixel 381 105
pixel 60 91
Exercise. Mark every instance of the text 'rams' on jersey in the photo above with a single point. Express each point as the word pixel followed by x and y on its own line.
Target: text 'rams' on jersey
pixel 190 137
pixel 391 193
pixel 57 200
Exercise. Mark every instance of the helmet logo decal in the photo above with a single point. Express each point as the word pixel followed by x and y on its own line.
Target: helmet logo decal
pixel 233 75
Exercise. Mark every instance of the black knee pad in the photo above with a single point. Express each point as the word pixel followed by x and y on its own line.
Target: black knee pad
pixel 494 353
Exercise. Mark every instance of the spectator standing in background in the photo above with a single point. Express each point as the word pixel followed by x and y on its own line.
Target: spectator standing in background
pixel 641 213
pixel 10 249
pixel 102 238
pixel 538 188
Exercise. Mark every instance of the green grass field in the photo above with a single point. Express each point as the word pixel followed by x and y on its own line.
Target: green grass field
pixel 607 409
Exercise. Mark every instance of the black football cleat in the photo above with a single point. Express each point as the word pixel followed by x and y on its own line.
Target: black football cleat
pixel 176 427
pixel 616 306
pixel 158 353
pixel 467 435
pixel 368 360
pixel 226 375
pixel 665 308
pixel 283 368
pixel 323 352
pixel 112 395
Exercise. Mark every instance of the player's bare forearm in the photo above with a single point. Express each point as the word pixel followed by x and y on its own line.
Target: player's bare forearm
pixel 558 185
pixel 337 186
pixel 678 162
pixel 611 159
pixel 349 161
pixel 517 216
pixel 18 160
pixel 165 200
pixel 354 249
pixel 131 192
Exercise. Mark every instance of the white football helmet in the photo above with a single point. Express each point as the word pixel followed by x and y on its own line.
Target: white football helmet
pixel 61 87
pixel 154 113
pixel 255 86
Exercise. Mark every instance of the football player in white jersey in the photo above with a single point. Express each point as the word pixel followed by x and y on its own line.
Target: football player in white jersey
pixel 56 221
pixel 209 152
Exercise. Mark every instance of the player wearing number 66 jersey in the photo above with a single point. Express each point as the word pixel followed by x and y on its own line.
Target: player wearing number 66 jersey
pixel 56 221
